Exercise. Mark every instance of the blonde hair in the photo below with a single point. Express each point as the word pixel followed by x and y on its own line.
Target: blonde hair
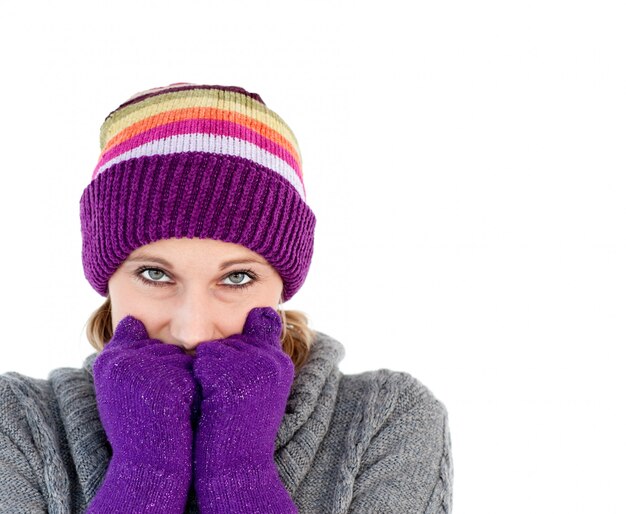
pixel 296 336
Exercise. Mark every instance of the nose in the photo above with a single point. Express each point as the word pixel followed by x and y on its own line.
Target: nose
pixel 194 320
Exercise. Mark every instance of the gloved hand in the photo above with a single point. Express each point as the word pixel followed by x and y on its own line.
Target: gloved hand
pixel 245 381
pixel 144 391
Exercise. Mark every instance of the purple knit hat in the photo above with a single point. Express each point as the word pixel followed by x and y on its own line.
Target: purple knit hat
pixel 191 160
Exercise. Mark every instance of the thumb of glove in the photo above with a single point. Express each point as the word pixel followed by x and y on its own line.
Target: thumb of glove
pixel 128 330
pixel 264 324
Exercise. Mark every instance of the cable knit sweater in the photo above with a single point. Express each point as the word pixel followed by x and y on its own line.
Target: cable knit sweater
pixel 373 442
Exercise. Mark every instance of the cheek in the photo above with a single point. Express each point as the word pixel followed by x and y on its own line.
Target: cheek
pixel 233 319
pixel 128 302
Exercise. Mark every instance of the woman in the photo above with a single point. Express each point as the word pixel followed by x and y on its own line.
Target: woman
pixel 203 395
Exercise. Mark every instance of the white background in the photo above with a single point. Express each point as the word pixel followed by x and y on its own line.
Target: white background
pixel 465 161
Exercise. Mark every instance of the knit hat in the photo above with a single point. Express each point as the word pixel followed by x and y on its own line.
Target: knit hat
pixel 203 161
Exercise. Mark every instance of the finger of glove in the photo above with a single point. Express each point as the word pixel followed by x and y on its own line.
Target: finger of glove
pixel 261 353
pixel 133 359
pixel 210 354
pixel 273 356
pixel 263 326
pixel 120 383
pixel 219 379
pixel 235 360
pixel 236 350
pixel 162 349
pixel 130 333
pixel 219 363
pixel 234 346
pixel 130 328
pixel 171 355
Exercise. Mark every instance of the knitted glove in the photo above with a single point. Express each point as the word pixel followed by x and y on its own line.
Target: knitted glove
pixel 245 381
pixel 144 391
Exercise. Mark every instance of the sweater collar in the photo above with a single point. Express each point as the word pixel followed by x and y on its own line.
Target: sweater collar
pixel 306 420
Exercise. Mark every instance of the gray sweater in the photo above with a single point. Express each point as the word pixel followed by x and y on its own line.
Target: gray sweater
pixel 373 442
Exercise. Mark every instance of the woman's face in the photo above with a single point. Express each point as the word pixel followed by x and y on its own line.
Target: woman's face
pixel 186 291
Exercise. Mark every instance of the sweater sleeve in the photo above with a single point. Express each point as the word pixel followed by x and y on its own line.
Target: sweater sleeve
pixel 19 489
pixel 407 466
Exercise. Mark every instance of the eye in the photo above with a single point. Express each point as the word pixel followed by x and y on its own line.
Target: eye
pixel 151 276
pixel 237 280
pixel 240 279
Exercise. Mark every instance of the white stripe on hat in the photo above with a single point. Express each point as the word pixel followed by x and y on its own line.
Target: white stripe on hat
pixel 211 143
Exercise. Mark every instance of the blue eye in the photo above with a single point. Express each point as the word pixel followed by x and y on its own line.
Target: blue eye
pixel 237 280
pixel 241 279
pixel 241 275
pixel 152 275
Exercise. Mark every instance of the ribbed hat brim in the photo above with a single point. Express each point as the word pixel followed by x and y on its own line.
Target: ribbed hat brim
pixel 194 194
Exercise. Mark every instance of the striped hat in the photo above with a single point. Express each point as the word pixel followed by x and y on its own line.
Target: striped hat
pixel 203 161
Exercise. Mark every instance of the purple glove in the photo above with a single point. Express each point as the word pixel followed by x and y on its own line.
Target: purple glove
pixel 245 381
pixel 144 391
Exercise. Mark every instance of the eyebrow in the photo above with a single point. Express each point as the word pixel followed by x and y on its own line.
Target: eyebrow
pixel 224 265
